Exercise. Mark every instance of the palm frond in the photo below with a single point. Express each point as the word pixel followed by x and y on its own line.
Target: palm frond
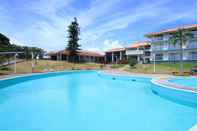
pixel 174 39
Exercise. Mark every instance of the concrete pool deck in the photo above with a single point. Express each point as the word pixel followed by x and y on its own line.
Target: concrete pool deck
pixel 122 72
pixel 158 79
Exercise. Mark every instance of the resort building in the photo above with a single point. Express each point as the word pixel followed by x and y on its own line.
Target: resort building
pixel 82 56
pixel 140 51
pixel 163 51
pixel 115 55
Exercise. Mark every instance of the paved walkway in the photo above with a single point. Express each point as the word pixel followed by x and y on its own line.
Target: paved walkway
pixel 123 72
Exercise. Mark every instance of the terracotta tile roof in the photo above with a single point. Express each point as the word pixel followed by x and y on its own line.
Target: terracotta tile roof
pixel 139 44
pixel 80 52
pixel 115 50
pixel 65 52
pixel 171 30
pixel 90 53
pixel 51 53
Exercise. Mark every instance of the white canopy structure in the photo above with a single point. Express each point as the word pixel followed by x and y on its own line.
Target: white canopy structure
pixel 12 62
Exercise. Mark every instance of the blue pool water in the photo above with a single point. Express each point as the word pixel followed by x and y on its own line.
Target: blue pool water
pixel 88 101
pixel 190 82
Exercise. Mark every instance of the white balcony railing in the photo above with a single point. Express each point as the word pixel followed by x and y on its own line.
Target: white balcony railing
pixel 134 52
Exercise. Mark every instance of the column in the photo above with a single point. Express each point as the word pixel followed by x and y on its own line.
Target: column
pixel 138 58
pixel 15 62
pixel 112 57
pixel 120 55
pixel 89 58
pixel 60 56
pixel 57 57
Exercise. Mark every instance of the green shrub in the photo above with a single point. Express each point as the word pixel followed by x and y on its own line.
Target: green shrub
pixel 4 68
pixel 132 61
pixel 117 65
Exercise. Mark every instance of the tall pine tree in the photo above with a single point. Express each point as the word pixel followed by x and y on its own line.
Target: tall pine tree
pixel 73 38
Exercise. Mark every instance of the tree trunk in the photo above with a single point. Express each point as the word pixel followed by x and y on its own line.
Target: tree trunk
pixel 181 61
pixel 181 57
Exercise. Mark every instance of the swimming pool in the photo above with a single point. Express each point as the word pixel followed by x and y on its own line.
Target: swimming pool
pixel 88 101
pixel 185 81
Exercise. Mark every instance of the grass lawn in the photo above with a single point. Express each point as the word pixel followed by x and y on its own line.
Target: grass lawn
pixel 49 65
pixel 162 68
pixel 46 65
pixel 114 66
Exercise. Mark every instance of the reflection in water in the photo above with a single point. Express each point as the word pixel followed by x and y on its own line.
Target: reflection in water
pixel 71 91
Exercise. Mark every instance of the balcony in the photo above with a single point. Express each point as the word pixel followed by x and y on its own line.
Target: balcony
pixel 134 52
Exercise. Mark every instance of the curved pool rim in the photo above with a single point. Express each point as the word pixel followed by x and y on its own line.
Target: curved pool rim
pixel 44 73
pixel 6 82
pixel 57 73
pixel 167 84
pixel 182 95
pixel 33 76
pixel 188 81
pixel 153 80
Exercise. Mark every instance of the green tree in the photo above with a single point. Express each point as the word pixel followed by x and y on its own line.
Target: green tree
pixel 4 43
pixel 73 38
pixel 180 37
pixel 6 46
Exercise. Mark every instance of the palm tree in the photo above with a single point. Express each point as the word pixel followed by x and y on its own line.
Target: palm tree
pixel 181 36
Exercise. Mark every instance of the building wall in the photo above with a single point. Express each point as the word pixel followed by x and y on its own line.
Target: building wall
pixel 62 57
pixel 142 54
pixel 188 55
pixel 165 51
pixel 115 57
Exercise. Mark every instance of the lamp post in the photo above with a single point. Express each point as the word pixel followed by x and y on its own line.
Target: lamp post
pixel 154 63
pixel 32 61
pixel 15 55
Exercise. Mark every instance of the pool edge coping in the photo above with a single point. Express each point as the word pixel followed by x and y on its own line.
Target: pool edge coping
pixel 161 81
pixel 164 82
pixel 123 74
pixel 44 73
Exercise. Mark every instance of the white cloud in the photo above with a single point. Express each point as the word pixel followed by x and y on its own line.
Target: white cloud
pixel 97 21
pixel 97 10
pixel 119 21
pixel 188 14
pixel 110 44
pixel 48 33
pixel 94 49
pixel 48 8
pixel 15 41
pixel 45 36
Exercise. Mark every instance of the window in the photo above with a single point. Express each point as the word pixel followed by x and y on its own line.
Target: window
pixel 158 56
pixel 174 56
pixel 194 55
pixel 192 44
pixel 174 47
pixel 157 47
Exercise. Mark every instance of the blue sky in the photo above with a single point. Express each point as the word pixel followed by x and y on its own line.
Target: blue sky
pixel 104 24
